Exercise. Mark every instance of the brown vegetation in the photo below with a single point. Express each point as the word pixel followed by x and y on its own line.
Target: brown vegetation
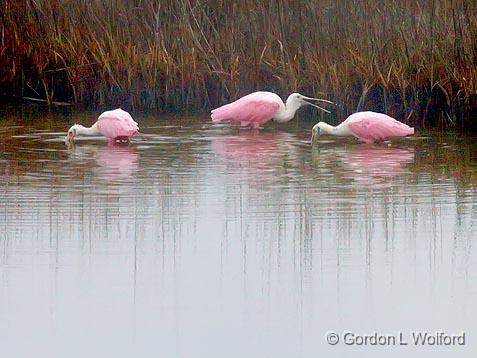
pixel 415 59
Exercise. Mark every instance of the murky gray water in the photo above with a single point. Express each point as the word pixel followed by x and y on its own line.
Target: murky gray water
pixel 198 240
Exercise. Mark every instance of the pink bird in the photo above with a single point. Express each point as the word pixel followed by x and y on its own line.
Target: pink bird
pixel 369 127
pixel 116 125
pixel 257 108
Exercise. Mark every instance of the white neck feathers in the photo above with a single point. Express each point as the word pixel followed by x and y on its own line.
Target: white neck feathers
pixel 287 112
pixel 81 130
pixel 339 130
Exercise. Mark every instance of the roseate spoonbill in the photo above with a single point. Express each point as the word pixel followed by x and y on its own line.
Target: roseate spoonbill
pixel 116 125
pixel 257 108
pixel 368 127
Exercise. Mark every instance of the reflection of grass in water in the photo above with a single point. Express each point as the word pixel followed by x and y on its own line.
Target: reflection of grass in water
pixel 438 157
pixel 25 155
pixel 24 145
pixel 405 57
pixel 448 157
pixel 21 140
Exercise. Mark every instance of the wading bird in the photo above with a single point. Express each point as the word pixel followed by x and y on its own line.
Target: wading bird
pixel 116 125
pixel 258 108
pixel 369 127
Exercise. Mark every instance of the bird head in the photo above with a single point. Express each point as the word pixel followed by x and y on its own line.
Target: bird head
pixel 315 133
pixel 72 132
pixel 298 100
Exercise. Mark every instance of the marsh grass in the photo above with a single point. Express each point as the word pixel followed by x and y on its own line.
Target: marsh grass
pixel 413 59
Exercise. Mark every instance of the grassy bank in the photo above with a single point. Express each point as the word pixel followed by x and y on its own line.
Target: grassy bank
pixel 415 59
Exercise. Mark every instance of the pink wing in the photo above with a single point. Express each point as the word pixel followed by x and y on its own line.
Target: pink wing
pixel 117 123
pixel 252 110
pixel 371 126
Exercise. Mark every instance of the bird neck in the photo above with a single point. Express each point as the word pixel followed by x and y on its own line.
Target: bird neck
pixel 82 130
pixel 287 112
pixel 339 130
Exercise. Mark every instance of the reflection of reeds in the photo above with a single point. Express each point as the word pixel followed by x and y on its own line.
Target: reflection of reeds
pixel 448 157
pixel 414 59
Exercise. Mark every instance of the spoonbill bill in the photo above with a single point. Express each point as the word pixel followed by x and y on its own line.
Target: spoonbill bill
pixel 116 125
pixel 369 127
pixel 257 108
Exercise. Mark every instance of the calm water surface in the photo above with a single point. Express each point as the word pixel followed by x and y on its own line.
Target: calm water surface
pixel 199 240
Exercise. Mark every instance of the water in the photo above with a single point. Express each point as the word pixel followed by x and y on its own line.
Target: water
pixel 199 240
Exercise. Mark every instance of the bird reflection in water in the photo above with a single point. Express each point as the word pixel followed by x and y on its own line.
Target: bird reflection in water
pixel 117 161
pixel 251 148
pixel 114 162
pixel 365 164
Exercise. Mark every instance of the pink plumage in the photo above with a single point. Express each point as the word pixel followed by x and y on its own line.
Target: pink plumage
pixel 367 126
pixel 374 127
pixel 116 124
pixel 252 110
pixel 257 108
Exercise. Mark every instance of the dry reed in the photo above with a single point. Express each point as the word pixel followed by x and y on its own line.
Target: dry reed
pixel 415 59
